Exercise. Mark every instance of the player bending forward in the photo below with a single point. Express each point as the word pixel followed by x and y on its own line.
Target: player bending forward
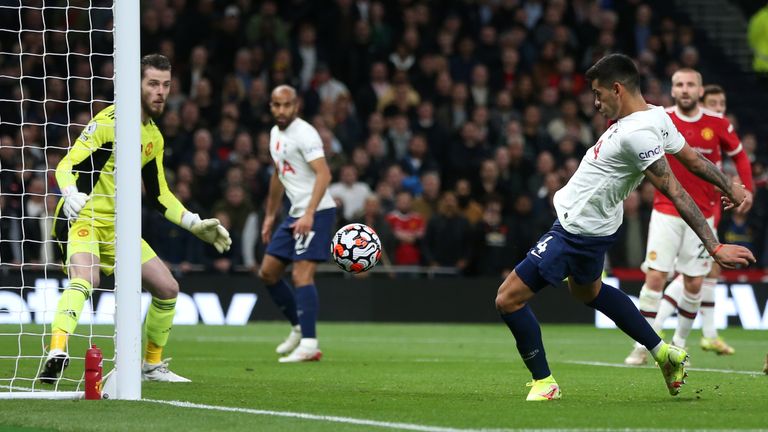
pixel 85 225
pixel 589 210
pixel 303 237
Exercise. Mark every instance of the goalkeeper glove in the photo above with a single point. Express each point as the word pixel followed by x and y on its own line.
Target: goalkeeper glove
pixel 74 201
pixel 208 230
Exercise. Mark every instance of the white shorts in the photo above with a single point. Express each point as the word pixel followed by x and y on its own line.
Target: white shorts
pixel 673 246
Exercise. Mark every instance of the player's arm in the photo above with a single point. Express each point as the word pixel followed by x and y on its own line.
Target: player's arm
pixel 274 197
pixel 161 198
pixel 696 163
pixel 660 175
pixel 730 144
pixel 81 157
pixel 322 179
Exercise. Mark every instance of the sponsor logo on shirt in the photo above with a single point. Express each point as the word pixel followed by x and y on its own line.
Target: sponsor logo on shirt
pixel 88 131
pixel 650 154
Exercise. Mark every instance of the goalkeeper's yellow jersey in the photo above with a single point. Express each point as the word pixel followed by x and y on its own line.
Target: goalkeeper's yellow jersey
pixel 90 165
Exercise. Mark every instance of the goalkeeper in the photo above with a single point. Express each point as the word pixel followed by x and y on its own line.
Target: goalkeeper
pixel 85 222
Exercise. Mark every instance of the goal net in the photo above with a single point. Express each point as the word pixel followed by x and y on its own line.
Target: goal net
pixel 57 63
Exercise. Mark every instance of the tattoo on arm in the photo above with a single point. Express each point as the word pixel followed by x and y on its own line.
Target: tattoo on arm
pixel 708 171
pixel 662 177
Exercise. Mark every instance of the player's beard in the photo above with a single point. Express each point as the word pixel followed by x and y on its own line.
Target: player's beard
pixel 285 121
pixel 686 105
pixel 150 109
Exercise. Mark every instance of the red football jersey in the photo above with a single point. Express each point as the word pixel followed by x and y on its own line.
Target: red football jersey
pixel 711 134
pixel 411 223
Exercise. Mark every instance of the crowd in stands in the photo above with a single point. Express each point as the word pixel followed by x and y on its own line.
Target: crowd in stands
pixel 448 125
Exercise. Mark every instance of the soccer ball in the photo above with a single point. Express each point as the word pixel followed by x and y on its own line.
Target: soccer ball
pixel 356 248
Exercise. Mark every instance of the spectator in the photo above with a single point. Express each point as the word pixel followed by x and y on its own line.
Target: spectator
pixel 224 262
pixel 307 55
pixel 467 153
pixel 236 205
pixel 37 223
pixel 368 96
pixel 351 192
pixel 523 222
pixel 373 216
pixel 492 243
pixel 448 238
pixel 408 228
pixel 490 184
pixel 327 87
pixel 174 244
pixel 426 203
pixel 569 124
pixel 417 161
pixel 471 209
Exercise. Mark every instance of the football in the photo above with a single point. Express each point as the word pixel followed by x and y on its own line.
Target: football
pixel 356 248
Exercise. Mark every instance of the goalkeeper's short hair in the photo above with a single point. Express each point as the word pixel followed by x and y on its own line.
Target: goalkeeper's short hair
pixel 155 61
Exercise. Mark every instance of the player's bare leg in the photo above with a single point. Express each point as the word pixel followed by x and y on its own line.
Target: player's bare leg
pixel 617 306
pixel 83 271
pixel 271 273
pixel 159 281
pixel 303 276
pixel 650 300
pixel 512 303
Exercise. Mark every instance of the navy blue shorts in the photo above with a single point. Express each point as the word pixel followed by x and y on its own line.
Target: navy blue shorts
pixel 559 254
pixel 314 246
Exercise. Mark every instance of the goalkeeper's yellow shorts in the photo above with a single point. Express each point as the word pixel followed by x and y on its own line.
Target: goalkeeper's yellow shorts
pixel 83 236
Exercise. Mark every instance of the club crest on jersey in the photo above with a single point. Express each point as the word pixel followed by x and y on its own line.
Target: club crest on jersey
pixel 648 154
pixel 148 148
pixel 707 133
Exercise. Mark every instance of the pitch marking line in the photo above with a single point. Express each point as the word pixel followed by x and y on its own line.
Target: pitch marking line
pixel 622 365
pixel 306 416
pixel 393 425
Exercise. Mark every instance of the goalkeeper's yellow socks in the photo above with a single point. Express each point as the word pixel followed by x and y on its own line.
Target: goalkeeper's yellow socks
pixel 58 340
pixel 158 326
pixel 153 353
pixel 69 308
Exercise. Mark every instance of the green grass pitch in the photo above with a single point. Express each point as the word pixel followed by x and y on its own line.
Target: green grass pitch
pixel 435 377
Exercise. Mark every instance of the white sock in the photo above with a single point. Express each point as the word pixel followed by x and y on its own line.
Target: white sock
pixel 667 308
pixel 675 289
pixel 296 329
pixel 707 309
pixel 648 305
pixel 687 308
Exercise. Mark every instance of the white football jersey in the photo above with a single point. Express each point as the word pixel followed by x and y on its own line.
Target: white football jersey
pixel 591 203
pixel 292 149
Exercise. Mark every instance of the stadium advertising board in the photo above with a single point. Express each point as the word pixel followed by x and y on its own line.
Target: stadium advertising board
pixel 239 299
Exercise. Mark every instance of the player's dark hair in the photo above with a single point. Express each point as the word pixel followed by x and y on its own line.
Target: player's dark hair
pixel 712 89
pixel 155 61
pixel 615 68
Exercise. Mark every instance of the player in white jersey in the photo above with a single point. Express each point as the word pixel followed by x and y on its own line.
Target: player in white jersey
pixel 678 249
pixel 589 210
pixel 301 171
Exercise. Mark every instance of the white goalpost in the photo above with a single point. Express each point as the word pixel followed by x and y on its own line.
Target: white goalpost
pixel 61 62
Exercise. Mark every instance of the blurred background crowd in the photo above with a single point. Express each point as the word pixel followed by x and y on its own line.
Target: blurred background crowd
pixel 448 125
